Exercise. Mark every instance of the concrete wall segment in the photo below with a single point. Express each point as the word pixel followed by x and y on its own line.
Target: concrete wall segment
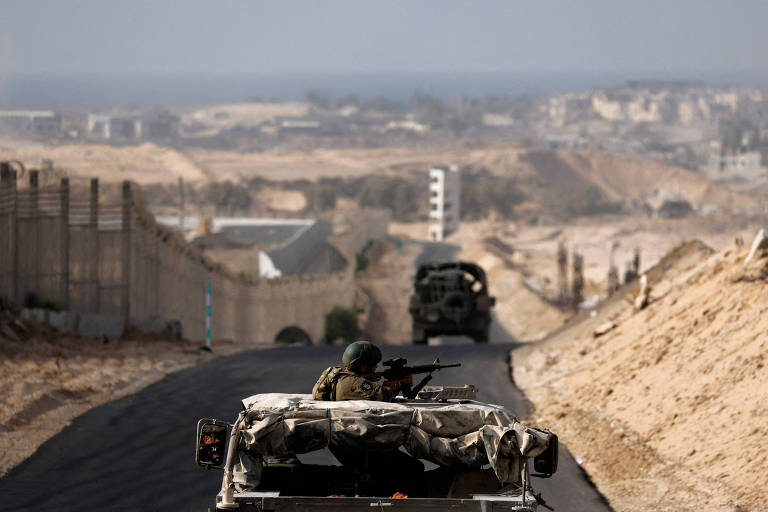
pixel 160 276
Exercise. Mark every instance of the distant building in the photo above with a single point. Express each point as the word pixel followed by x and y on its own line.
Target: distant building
pixel 751 166
pixel 41 122
pixel 297 124
pixel 444 198
pixel 268 247
pixel 133 127
pixel 306 252
pixel 99 125
pixel 406 126
pixel 668 205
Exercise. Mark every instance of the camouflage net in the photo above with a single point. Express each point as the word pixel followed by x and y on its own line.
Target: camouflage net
pixel 458 434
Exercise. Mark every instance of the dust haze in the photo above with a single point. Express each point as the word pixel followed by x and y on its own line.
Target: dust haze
pixel 613 172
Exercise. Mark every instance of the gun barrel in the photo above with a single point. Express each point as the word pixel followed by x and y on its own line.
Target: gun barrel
pixel 429 368
pixel 401 371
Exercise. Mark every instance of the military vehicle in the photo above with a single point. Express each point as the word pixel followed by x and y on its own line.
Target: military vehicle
pixel 482 458
pixel 450 298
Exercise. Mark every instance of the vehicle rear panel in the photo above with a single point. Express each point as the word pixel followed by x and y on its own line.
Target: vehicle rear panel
pixel 263 502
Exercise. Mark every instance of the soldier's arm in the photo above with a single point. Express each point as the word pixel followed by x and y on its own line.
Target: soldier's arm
pixel 384 394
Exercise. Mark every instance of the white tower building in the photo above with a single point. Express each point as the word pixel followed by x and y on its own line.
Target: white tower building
pixel 444 198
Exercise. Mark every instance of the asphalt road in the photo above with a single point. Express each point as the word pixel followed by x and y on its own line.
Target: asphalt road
pixel 136 453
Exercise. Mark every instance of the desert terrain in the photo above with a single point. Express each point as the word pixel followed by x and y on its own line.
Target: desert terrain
pixel 666 409
pixel 669 398
pixel 49 378
pixel 618 177
pixel 521 263
pixel 693 355
pixel 663 410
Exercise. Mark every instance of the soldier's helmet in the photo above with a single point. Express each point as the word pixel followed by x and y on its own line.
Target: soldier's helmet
pixel 361 352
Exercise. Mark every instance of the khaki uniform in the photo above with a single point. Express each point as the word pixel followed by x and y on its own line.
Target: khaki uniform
pixel 390 471
pixel 336 383
pixel 350 386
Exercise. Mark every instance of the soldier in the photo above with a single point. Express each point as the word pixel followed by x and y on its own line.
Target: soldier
pixel 389 471
pixel 353 381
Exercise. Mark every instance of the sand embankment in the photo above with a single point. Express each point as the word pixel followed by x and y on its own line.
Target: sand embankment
pixel 667 409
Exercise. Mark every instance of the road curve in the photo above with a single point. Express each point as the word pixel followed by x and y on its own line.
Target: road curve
pixel 136 453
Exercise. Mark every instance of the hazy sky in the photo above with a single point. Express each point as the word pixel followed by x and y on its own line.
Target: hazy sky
pixel 358 36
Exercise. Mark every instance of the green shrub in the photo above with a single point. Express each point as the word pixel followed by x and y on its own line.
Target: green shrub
pixel 361 262
pixel 482 192
pixel 341 323
pixel 227 197
pixel 401 196
pixel 320 198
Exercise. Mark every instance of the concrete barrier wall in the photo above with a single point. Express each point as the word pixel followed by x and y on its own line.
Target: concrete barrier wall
pixel 168 279
pixel 34 260
pixel 8 245
pixel 130 267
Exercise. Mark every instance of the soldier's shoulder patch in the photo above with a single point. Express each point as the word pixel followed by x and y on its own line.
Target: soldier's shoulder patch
pixel 366 386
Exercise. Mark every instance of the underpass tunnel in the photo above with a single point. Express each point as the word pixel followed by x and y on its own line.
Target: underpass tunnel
pixel 293 335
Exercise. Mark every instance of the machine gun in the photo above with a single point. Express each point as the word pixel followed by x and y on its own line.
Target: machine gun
pixel 397 371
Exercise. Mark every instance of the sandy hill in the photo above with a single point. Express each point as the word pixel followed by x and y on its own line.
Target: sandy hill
pixel 558 183
pixel 624 178
pixel 144 164
pixel 668 410
pixel 547 175
pixel 558 177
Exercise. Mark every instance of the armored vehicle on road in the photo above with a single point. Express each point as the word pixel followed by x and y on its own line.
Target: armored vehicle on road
pixel 450 298
pixel 481 456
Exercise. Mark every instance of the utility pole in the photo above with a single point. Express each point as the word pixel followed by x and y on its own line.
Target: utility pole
pixel 127 213
pixel 578 279
pixel 181 204
pixel 613 272
pixel 207 346
pixel 64 213
pixel 562 267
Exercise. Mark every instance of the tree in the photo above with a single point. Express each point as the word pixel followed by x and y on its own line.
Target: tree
pixel 396 194
pixel 320 198
pixel 428 109
pixel 227 197
pixel 482 192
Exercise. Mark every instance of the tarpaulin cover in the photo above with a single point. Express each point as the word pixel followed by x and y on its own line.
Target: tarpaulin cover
pixel 457 434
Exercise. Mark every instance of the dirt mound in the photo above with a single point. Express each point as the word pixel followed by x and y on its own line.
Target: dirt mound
pixel 667 409
pixel 144 164
pixel 623 178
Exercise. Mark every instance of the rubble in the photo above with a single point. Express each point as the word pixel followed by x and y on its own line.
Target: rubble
pixel 603 329
pixel 759 243
pixel 643 293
